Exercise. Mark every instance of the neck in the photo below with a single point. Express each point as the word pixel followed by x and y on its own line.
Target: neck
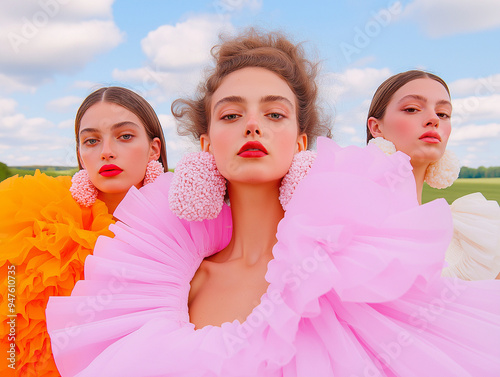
pixel 111 200
pixel 419 174
pixel 256 212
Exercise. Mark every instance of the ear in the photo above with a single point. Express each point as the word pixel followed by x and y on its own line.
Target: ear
pixel 154 149
pixel 301 143
pixel 375 127
pixel 205 143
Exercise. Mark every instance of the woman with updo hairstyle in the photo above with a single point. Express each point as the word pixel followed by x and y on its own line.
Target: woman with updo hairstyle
pixel 272 51
pixel 259 257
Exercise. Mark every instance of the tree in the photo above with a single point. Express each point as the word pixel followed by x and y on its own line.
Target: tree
pixel 4 172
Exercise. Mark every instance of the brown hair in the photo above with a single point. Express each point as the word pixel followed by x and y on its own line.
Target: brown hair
pixel 272 51
pixel 386 90
pixel 131 101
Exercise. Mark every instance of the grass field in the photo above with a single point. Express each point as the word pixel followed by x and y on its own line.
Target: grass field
pixel 489 187
pixel 48 171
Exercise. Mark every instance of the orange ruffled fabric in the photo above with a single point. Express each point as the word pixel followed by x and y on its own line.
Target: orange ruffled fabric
pixel 46 235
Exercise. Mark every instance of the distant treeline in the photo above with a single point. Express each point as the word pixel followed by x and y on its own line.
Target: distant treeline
pixel 4 172
pixel 42 168
pixel 52 171
pixel 480 172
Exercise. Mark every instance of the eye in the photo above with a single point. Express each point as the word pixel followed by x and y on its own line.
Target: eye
pixel 127 137
pixel 443 115
pixel 230 117
pixel 275 116
pixel 410 110
pixel 90 142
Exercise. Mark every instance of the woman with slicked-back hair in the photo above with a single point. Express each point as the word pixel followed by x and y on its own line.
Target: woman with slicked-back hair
pixel 48 226
pixel 411 112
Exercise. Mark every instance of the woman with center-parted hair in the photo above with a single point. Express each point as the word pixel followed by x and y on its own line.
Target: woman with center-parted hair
pixel 411 112
pixel 48 226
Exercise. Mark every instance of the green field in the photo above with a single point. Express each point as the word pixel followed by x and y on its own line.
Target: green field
pixel 489 187
pixel 50 171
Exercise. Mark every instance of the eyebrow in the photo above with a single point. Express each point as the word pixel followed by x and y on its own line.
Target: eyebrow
pixel 266 99
pixel 113 127
pixel 423 99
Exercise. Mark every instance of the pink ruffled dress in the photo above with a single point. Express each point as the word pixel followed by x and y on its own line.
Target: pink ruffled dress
pixel 354 288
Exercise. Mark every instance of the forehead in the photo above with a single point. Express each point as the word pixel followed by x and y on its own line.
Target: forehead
pixel 428 88
pixel 106 114
pixel 253 83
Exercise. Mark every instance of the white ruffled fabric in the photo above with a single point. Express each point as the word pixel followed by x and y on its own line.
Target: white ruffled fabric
pixel 474 251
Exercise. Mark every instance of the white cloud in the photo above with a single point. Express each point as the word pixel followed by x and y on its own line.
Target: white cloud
pixel 348 130
pixel 473 131
pixel 353 83
pixel 10 84
pixel 65 104
pixel 177 146
pixel 7 107
pixel 177 55
pixel 186 44
pixel 350 92
pixel 482 86
pixel 449 17
pixel 69 123
pixel 161 85
pixel 167 121
pixel 56 9
pixel 26 140
pixel 475 109
pixel 58 46
pixel 40 39
pixel 27 130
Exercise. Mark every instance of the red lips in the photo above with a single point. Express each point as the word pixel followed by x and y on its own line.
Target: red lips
pixel 431 137
pixel 252 149
pixel 110 170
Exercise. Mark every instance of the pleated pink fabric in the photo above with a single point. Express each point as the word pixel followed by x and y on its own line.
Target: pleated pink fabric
pixel 355 288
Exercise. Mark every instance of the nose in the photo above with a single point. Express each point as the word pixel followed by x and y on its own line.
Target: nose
pixel 252 126
pixel 433 120
pixel 106 151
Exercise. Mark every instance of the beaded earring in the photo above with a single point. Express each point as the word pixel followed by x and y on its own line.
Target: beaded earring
pixel 153 170
pixel 82 189
pixel 197 189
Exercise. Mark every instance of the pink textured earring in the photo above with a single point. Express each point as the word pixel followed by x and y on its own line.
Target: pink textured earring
pixel 82 189
pixel 153 170
pixel 301 163
pixel 197 189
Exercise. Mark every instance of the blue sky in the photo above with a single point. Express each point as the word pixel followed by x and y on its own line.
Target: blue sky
pixel 53 53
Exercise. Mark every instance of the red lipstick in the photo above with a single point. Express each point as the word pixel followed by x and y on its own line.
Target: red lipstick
pixel 109 170
pixel 431 137
pixel 252 149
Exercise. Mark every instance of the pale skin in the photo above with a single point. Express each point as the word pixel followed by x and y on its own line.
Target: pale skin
pixel 419 107
pixel 111 135
pixel 251 104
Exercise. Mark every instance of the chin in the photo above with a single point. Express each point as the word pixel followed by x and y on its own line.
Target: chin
pixel 114 189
